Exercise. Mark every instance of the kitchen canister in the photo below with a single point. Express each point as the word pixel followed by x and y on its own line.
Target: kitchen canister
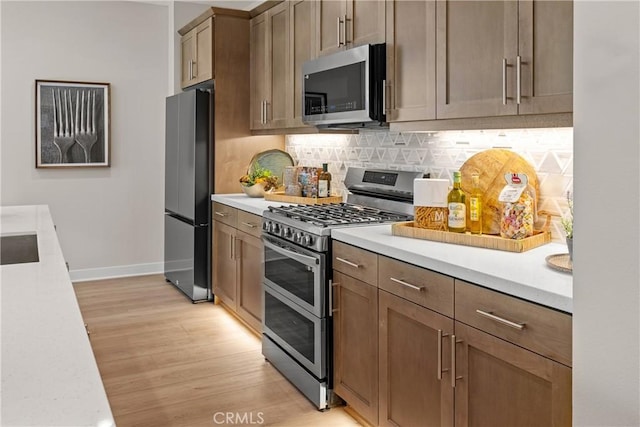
pixel 430 203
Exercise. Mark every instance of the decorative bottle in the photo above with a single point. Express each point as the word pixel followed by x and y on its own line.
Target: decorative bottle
pixel 475 206
pixel 457 218
pixel 324 182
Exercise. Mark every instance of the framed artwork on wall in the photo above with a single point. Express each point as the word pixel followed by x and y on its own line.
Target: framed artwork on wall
pixel 72 124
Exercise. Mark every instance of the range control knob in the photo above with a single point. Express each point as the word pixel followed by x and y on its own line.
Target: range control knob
pixel 276 228
pixel 265 226
pixel 307 240
pixel 297 237
pixel 288 232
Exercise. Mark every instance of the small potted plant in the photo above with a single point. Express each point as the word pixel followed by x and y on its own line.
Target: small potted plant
pixel 567 223
pixel 257 181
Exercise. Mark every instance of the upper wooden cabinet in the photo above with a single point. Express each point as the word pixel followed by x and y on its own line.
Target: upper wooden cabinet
pixel 197 54
pixel 348 23
pixel 302 44
pixel 282 39
pixel 198 43
pixel 270 69
pixel 411 60
pixel 499 58
pixel 546 51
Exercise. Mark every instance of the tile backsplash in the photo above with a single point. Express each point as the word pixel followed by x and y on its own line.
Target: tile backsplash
pixel 549 151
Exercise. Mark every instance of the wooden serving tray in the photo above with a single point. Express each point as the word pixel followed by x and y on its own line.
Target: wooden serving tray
pixel 407 229
pixel 279 196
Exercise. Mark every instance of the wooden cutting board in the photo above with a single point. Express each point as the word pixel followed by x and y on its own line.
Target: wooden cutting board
pixel 492 164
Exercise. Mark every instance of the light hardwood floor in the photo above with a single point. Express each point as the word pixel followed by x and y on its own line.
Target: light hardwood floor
pixel 167 362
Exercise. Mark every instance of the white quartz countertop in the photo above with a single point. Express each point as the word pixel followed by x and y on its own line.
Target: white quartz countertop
pixel 254 205
pixel 49 374
pixel 524 275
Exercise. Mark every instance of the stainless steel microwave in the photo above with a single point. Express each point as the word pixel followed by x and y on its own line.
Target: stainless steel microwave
pixel 345 88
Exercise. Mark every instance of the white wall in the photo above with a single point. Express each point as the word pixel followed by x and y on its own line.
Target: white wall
pixel 606 361
pixel 109 220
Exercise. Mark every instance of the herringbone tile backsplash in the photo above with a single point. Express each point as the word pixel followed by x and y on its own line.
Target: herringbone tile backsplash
pixel 550 152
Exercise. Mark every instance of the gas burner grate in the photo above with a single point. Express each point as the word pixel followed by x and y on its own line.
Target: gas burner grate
pixel 337 214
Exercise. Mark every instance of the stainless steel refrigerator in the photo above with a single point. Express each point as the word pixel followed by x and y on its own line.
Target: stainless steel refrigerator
pixel 187 236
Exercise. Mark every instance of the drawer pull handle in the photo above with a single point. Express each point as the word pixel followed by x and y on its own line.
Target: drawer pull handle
pixel 408 285
pixel 222 214
pixel 490 315
pixel 248 224
pixel 352 264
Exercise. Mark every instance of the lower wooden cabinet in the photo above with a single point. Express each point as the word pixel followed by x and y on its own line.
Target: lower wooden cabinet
pixel 507 372
pixel 355 338
pixel 250 257
pixel 224 263
pixel 502 384
pixel 415 362
pixel 238 263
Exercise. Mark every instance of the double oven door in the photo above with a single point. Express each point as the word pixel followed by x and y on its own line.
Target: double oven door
pixel 295 293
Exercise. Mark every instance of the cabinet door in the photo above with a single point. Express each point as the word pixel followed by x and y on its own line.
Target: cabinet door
pixel 302 30
pixel 501 384
pixel 546 52
pixel 415 381
pixel 365 22
pixel 476 48
pixel 330 15
pixel 188 59
pixel 224 263
pixel 278 75
pixel 258 76
pixel 204 51
pixel 411 60
pixel 355 338
pixel 250 253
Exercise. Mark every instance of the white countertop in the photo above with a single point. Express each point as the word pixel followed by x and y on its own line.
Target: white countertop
pixel 254 205
pixel 524 275
pixel 49 374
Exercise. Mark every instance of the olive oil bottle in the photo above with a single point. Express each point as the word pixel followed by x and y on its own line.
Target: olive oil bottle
pixel 456 203
pixel 324 181
pixel 475 206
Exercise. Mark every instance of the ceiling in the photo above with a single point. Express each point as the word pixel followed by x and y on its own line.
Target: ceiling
pixel 229 4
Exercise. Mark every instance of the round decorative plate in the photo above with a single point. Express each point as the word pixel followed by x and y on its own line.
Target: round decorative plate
pixel 560 262
pixel 274 160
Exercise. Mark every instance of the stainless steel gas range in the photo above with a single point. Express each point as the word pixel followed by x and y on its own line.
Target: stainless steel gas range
pixel 297 327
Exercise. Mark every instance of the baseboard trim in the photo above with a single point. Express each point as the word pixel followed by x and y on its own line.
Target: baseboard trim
pixel 116 271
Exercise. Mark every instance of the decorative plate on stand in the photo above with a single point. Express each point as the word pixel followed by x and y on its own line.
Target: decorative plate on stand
pixel 274 160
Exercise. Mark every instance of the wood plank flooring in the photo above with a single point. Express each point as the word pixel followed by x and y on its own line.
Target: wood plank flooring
pixel 167 362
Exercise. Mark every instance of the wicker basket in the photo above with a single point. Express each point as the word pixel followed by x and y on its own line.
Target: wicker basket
pixel 281 197
pixel 539 238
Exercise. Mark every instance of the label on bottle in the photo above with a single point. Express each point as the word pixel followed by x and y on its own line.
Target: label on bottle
pixel 457 215
pixel 474 209
pixel 323 188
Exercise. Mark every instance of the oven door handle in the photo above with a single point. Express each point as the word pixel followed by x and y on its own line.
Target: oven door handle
pixel 305 259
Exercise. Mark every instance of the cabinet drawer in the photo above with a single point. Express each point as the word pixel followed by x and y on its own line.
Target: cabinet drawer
pixel 539 329
pixel 250 223
pixel 356 262
pixel 225 214
pixel 424 287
